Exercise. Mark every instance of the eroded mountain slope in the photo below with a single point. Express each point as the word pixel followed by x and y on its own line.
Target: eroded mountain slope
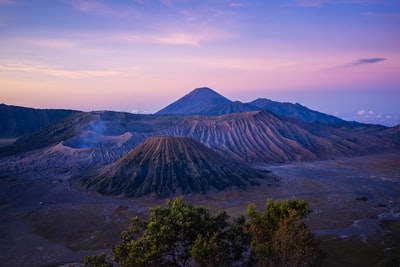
pixel 167 166
pixel 264 137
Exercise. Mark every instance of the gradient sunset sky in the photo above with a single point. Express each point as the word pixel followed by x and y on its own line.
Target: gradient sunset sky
pixel 340 57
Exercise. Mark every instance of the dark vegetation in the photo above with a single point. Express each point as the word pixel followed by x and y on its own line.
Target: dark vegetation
pixel 183 235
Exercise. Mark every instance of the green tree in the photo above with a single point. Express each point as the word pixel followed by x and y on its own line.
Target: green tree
pixel 177 235
pixel 279 238
pixel 183 235
pixel 97 261
pixel 223 248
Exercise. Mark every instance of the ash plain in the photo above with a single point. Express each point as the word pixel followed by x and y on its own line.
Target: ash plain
pixel 43 221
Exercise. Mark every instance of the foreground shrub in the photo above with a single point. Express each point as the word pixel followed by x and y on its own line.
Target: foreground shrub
pixel 184 235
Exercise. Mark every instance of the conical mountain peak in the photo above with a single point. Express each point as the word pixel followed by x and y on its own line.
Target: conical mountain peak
pixel 205 91
pixel 195 102
pixel 167 166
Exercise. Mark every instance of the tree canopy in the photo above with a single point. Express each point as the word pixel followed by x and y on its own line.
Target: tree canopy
pixel 180 234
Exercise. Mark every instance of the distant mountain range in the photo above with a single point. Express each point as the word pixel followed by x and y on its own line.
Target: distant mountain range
pixel 202 134
pixel 17 121
pixel 205 101
pixel 254 136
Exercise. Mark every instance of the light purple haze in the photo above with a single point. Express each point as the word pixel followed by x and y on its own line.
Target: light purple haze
pixel 340 57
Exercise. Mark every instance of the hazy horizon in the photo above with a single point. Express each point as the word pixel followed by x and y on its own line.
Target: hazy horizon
pixel 337 57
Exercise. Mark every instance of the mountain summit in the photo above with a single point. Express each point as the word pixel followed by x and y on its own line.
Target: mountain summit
pixel 205 101
pixel 195 102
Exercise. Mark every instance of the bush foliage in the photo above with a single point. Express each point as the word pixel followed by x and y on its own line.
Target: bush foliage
pixel 183 235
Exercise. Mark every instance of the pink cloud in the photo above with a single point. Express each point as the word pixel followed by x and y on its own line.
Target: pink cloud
pixel 176 37
pixel 53 43
pixel 60 72
pixel 319 3
pixel 182 38
pixel 236 4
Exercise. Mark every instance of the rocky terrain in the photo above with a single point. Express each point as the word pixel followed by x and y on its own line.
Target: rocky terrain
pixel 239 134
pixel 169 166
pixel 218 154
pixel 261 136
pixel 355 203
pixel 249 137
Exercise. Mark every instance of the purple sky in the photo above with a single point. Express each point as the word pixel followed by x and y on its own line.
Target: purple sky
pixel 341 57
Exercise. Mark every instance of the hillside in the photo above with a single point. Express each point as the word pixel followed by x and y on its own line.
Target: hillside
pixel 167 166
pixel 17 121
pixel 261 136
pixel 296 111
pixel 392 134
pixel 258 136
pixel 228 108
pixel 50 135
pixel 239 133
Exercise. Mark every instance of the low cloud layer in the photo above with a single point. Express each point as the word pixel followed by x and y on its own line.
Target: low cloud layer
pixel 370 116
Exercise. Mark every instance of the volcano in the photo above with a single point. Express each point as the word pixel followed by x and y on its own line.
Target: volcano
pixel 195 102
pixel 168 166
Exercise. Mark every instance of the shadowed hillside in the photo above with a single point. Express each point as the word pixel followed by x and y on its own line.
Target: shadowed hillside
pixel 228 108
pixel 296 111
pixel 50 135
pixel 167 166
pixel 392 134
pixel 17 121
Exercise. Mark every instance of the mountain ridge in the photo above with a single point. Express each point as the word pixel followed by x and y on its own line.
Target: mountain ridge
pixel 257 136
pixel 17 121
pixel 200 101
pixel 205 101
pixel 120 153
pixel 246 136
pixel 296 111
pixel 262 136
